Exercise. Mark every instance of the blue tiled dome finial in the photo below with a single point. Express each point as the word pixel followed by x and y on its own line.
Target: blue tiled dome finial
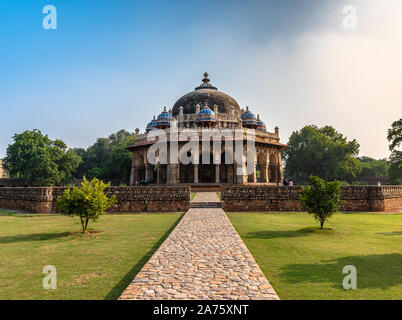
pixel 164 119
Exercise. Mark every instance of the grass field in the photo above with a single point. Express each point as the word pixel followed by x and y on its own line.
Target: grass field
pixel 303 262
pixel 92 266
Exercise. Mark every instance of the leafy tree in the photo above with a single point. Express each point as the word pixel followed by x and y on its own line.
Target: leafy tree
pixel 321 198
pixel 108 158
pixel 95 173
pixel 119 164
pixel 88 202
pixel 323 152
pixel 372 169
pixel 395 138
pixel 38 160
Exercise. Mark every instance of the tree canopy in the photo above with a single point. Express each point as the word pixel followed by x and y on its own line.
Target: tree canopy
pixel 88 202
pixel 107 158
pixel 40 161
pixel 372 170
pixel 322 152
pixel 321 199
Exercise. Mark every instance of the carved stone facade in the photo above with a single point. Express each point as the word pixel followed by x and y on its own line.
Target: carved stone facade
pixel 207 108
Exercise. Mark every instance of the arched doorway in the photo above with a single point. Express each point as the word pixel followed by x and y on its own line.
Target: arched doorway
pixel 186 171
pixel 274 174
pixel 262 168
pixel 206 172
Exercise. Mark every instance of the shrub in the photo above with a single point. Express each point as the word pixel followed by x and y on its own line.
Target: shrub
pixel 88 202
pixel 321 198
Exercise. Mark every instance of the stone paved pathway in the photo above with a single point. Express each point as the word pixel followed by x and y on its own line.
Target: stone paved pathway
pixel 203 258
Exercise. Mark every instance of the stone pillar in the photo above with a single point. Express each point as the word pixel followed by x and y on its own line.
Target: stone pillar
pixel 241 177
pixel 280 165
pixel 172 173
pixel 264 172
pixel 132 172
pixel 196 173
pixel 254 174
pixel 217 172
pixel 178 173
pixel 157 175
pixel 148 172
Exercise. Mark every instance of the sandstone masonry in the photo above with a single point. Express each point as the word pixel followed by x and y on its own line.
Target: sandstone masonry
pixel 267 198
pixel 234 198
pixel 129 199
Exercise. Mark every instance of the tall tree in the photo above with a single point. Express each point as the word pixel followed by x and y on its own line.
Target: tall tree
pixel 322 152
pixel 372 170
pixel 40 161
pixel 108 158
pixel 395 138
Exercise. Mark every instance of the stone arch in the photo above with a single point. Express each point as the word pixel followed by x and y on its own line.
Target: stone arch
pixel 226 170
pixel 261 168
pixel 206 171
pixel 139 165
pixel 186 171
pixel 274 173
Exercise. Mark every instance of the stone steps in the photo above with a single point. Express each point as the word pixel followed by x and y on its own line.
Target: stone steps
pixel 205 205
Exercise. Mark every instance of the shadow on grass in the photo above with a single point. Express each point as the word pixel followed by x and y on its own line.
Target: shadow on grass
pixel 271 234
pixel 34 237
pixel 393 233
pixel 376 271
pixel 118 289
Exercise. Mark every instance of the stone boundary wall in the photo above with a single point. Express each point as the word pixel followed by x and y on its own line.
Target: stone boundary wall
pixel 129 199
pixel 11 183
pixel 267 198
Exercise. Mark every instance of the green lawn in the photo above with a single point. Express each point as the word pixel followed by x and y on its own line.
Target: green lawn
pixel 302 262
pixel 193 195
pixel 95 266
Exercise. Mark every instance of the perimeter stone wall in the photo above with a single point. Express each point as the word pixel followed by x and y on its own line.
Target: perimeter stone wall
pixel 267 198
pixel 129 199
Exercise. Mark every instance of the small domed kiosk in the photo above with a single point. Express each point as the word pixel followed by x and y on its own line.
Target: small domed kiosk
pixel 207 108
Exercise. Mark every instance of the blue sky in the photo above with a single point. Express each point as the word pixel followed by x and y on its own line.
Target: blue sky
pixel 114 64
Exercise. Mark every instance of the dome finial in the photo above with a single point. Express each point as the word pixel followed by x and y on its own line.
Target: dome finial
pixel 205 80
pixel 205 83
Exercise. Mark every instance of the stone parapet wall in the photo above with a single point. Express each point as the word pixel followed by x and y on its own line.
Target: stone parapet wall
pixel 129 199
pixel 268 198
pixel 11 183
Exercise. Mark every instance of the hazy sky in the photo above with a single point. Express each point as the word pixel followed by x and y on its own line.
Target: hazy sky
pixel 114 64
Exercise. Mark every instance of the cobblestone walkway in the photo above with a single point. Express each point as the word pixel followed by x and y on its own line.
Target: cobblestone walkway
pixel 203 258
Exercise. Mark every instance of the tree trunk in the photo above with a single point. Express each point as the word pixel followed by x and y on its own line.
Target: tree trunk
pixel 322 224
pixel 82 225
pixel 86 224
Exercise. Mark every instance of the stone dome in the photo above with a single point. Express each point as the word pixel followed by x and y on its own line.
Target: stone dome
pixel 206 93
pixel 164 118
pixel 151 125
pixel 206 114
pixel 248 118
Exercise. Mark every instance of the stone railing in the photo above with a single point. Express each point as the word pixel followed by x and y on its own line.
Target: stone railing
pixel 270 198
pixel 129 199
